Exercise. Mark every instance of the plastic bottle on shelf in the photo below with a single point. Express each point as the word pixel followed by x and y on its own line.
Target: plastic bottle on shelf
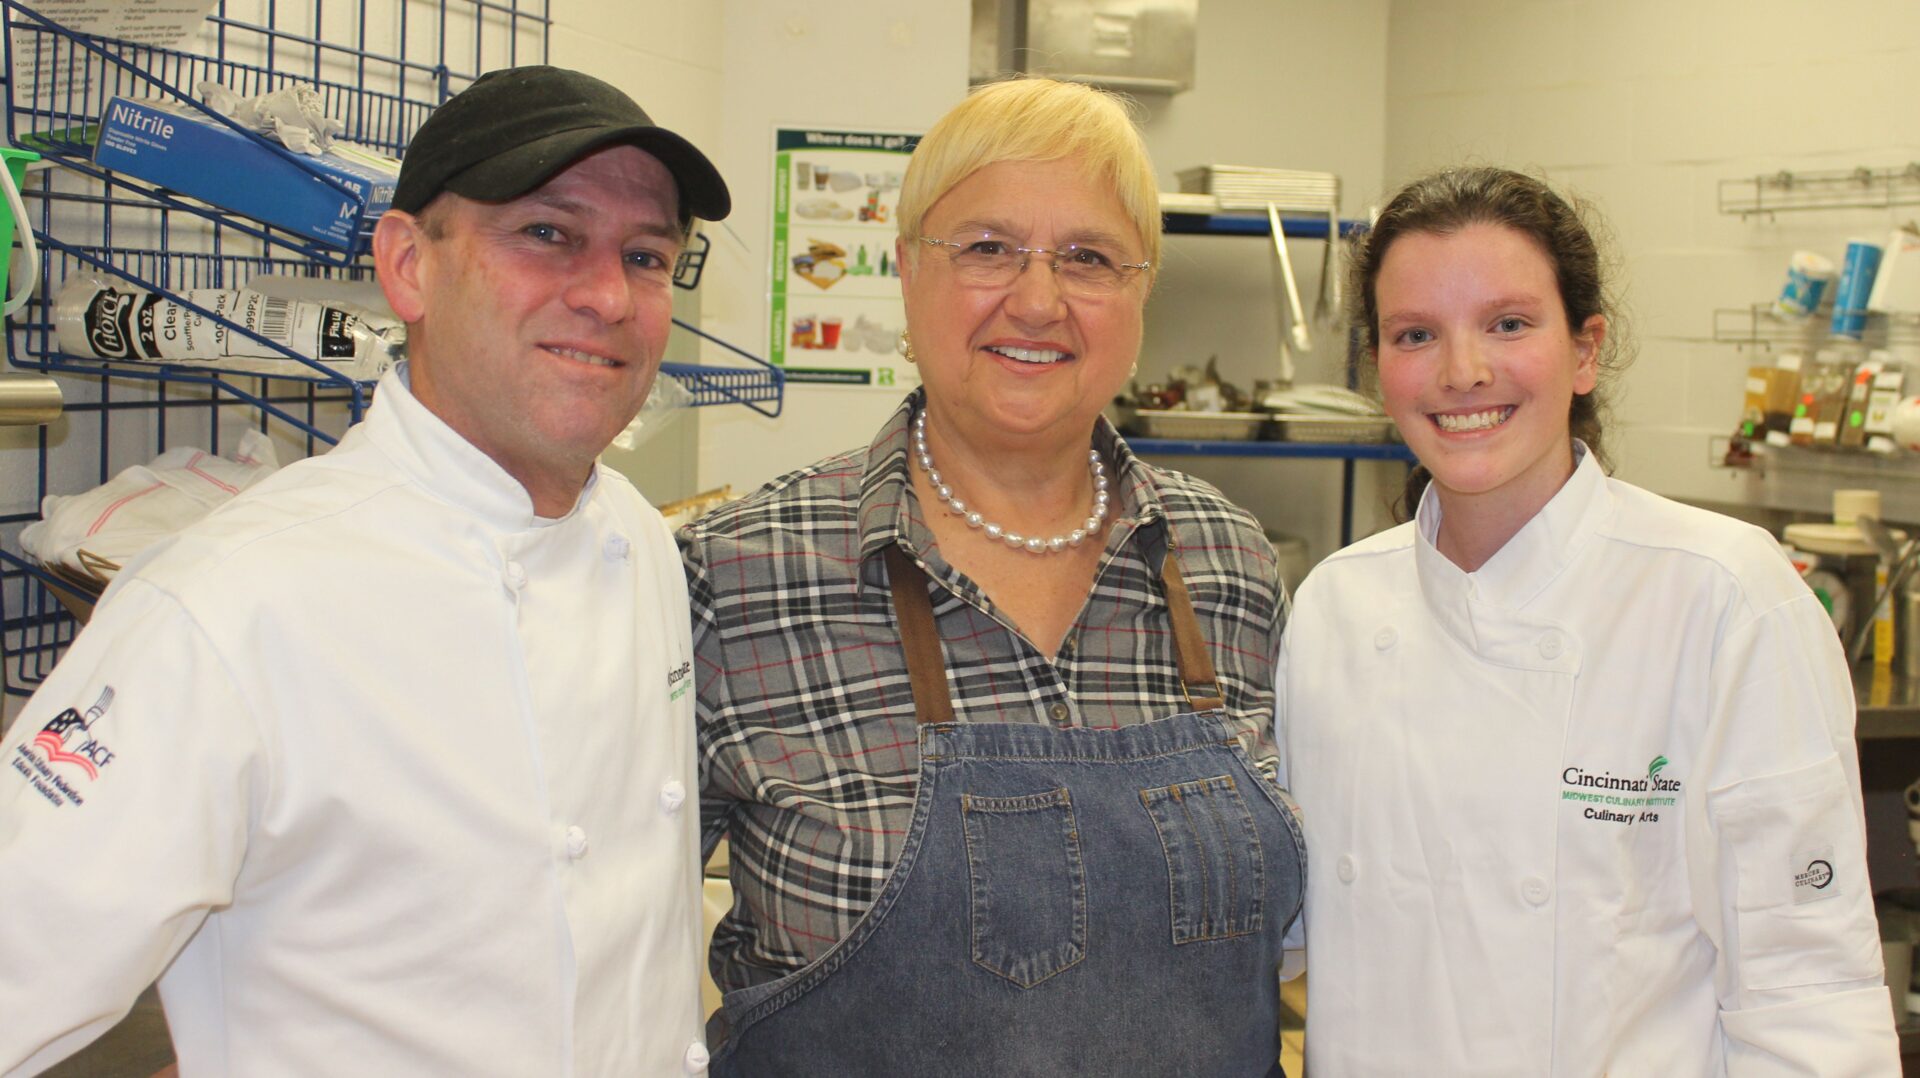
pixel 1889 389
pixel 1753 408
pixel 1823 399
pixel 110 319
pixel 1850 296
pixel 1783 398
pixel 1853 419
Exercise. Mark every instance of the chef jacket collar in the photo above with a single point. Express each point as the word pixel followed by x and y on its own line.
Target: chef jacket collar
pixel 1518 571
pixel 890 510
pixel 443 462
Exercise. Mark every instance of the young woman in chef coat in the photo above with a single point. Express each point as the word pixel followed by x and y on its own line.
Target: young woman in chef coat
pixel 1575 762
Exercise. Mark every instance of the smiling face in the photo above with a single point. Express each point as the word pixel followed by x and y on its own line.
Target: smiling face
pixel 536 325
pixel 1023 365
pixel 1479 367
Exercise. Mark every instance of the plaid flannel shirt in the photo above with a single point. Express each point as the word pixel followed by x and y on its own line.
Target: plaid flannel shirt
pixel 809 752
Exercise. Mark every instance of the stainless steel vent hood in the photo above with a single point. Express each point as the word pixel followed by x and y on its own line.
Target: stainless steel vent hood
pixel 1139 45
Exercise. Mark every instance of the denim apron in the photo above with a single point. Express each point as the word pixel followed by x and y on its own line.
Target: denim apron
pixel 1066 902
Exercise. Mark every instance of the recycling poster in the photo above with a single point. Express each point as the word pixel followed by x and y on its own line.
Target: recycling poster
pixel 835 294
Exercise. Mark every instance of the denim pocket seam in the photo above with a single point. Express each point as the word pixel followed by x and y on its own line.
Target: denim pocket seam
pixel 1173 894
pixel 1243 916
pixel 1282 800
pixel 1070 951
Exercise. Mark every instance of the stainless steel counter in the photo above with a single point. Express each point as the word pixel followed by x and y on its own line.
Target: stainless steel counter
pixel 1889 705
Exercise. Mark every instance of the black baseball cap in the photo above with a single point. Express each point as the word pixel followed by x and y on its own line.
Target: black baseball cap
pixel 514 129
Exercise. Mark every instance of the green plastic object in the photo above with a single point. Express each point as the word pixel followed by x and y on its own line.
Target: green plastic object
pixel 17 162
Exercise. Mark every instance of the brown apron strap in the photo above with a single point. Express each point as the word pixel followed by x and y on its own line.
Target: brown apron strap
pixel 927 668
pixel 1189 646
pixel 921 639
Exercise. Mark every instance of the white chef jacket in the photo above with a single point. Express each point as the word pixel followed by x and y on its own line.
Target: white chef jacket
pixel 379 773
pixel 1592 809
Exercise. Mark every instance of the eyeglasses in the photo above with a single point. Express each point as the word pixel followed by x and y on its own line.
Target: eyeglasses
pixel 990 260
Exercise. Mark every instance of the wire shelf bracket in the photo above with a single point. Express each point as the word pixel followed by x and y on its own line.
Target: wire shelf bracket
pixel 1839 189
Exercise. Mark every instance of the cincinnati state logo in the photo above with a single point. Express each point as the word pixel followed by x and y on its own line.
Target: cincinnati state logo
pixel 1606 780
pixel 70 738
pixel 1624 799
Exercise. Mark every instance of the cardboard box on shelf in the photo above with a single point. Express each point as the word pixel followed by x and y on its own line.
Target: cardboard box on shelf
pixel 179 148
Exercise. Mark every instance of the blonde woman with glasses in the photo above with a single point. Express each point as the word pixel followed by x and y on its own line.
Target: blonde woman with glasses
pixel 985 705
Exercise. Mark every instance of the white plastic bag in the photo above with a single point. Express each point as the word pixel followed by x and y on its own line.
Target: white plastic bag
pixel 144 504
pixel 667 400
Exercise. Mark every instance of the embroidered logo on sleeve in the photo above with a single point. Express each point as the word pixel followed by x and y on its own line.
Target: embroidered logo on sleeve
pixel 69 749
pixel 1813 876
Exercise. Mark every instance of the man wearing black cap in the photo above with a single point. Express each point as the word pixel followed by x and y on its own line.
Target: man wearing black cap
pixel 385 767
pixel 520 200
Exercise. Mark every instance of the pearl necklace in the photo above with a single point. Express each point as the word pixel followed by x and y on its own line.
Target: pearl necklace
pixel 1034 545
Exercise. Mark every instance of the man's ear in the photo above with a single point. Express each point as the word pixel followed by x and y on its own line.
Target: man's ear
pixel 399 242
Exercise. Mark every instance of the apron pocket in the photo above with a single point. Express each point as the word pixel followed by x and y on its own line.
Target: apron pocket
pixel 1027 885
pixel 1216 876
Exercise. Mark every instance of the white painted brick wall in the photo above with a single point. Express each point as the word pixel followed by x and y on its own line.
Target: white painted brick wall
pixel 1644 106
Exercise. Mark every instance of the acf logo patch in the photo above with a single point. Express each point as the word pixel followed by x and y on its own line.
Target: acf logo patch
pixel 69 738
pixel 69 747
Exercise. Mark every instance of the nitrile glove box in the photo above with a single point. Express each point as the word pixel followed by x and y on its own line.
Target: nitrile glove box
pixel 182 149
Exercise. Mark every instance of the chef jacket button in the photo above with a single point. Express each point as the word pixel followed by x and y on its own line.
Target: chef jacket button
pixel 1059 712
pixel 696 1058
pixel 672 795
pixel 576 843
pixel 1551 645
pixel 616 548
pixel 1345 868
pixel 516 575
pixel 1385 638
pixel 1534 890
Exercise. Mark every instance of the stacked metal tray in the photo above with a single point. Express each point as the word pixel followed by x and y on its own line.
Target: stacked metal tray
pixel 1252 426
pixel 1245 188
pixel 1342 429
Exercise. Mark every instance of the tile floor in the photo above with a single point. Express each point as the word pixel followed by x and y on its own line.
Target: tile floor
pixel 1293 1025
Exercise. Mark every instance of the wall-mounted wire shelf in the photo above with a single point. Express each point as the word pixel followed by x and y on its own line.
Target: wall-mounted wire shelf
pixel 58 113
pixel 171 273
pixel 389 99
pixel 91 221
pixel 381 67
pixel 38 628
pixel 1859 466
pixel 761 387
pixel 1838 189
pixel 1760 327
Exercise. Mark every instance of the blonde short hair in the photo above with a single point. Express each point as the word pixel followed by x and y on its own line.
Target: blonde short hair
pixel 1034 119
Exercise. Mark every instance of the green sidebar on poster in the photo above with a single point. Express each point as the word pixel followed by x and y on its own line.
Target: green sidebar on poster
pixel 836 312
